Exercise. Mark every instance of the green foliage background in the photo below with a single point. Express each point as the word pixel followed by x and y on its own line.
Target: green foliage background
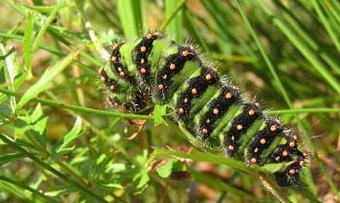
pixel 59 143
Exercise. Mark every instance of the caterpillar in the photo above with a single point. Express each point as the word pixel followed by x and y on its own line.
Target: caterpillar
pixel 156 70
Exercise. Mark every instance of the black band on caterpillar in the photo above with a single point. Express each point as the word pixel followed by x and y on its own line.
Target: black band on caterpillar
pixel 263 139
pixel 214 111
pixel 111 84
pixel 217 108
pixel 118 66
pixel 141 53
pixel 174 64
pixel 197 86
pixel 240 125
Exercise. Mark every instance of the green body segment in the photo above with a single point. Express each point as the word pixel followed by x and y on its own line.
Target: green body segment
pixel 162 48
pixel 126 54
pixel 211 110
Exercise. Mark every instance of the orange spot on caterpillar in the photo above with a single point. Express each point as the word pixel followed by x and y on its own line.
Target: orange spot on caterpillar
pixel 263 141
pixel 185 53
pixel 194 91
pixel 251 112
pixel 215 111
pixel 228 95
pixel 142 49
pixel 143 70
pixel 208 76
pixel 172 66
pixel 205 131
pixel 253 160
pixel 113 59
pixel 301 163
pixel 239 127
pixel 273 128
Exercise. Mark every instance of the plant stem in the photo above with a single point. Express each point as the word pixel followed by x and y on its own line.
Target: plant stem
pixel 304 110
pixel 25 187
pixel 84 109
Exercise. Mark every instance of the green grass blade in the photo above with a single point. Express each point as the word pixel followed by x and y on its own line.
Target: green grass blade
pixel 304 110
pixel 10 157
pixel 172 15
pixel 18 7
pixel 323 19
pixel 206 157
pixel 190 26
pixel 25 187
pixel 304 49
pixel 11 68
pixel 81 109
pixel 218 184
pixel 46 79
pixel 130 15
pixel 44 27
pixel 175 26
pixel 265 56
pixel 333 8
pixel 297 26
pixel 71 136
pixel 27 42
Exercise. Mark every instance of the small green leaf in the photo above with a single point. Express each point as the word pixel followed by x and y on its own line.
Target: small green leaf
pixel 165 170
pixel 5 112
pixel 27 42
pixel 100 159
pixel 37 113
pixel 159 112
pixel 71 136
pixel 46 79
pixel 272 168
pixel 11 70
pixel 116 167
pixel 141 179
pixel 114 185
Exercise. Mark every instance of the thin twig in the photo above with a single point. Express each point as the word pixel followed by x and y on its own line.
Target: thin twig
pixel 83 109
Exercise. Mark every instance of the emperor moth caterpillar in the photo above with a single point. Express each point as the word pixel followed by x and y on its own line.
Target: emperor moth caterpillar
pixel 157 70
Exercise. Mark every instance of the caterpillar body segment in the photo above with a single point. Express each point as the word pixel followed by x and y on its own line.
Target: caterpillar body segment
pixel 156 70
